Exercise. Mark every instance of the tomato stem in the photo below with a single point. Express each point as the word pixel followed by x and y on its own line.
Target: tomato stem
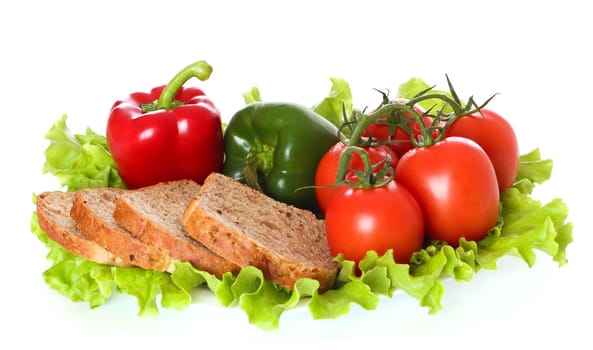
pixel 363 121
pixel 397 117
pixel 372 175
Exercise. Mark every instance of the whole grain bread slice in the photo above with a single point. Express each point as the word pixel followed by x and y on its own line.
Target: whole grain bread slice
pixel 53 215
pixel 92 211
pixel 249 228
pixel 154 215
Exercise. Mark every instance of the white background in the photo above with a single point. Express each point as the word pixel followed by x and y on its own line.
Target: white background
pixel 79 57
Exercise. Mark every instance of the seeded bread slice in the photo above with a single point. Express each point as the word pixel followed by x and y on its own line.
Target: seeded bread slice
pixel 53 214
pixel 93 212
pixel 154 215
pixel 249 228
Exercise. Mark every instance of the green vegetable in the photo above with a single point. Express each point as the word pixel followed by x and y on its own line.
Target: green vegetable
pixel 275 147
pixel 252 96
pixel 82 280
pixel 337 107
pixel 525 225
pixel 414 86
pixel 79 161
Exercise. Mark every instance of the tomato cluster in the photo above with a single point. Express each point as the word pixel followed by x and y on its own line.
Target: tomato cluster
pixel 445 189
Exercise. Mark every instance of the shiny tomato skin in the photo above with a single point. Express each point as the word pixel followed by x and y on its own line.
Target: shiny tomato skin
pixel 404 142
pixel 455 184
pixel 388 217
pixel 327 169
pixel 497 137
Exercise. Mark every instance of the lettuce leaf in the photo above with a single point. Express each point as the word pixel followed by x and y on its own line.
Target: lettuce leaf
pixel 72 276
pixel 82 280
pixel 147 285
pixel 263 301
pixel 533 169
pixel 524 226
pixel 79 161
pixel 252 96
pixel 337 106
pixel 414 86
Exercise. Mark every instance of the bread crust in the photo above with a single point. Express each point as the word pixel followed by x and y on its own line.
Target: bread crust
pixel 119 232
pixel 116 239
pixel 183 249
pixel 75 242
pixel 235 247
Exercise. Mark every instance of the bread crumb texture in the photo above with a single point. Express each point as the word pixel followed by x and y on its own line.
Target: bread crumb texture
pixel 289 232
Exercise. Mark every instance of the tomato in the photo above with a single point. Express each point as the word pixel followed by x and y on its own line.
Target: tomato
pixel 327 169
pixel 404 142
pixel 497 137
pixel 388 217
pixel 455 184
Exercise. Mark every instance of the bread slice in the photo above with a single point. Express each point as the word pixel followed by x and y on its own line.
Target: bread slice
pixel 154 215
pixel 249 228
pixel 53 214
pixel 93 212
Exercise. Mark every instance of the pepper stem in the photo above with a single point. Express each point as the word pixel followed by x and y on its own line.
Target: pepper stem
pixel 200 70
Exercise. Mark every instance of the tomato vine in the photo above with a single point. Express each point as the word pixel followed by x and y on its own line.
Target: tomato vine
pixel 400 115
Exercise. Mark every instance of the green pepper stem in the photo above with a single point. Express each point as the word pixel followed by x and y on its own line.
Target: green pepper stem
pixel 200 70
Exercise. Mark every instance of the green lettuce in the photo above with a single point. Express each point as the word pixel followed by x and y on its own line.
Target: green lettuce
pixel 524 226
pixel 79 161
pixel 82 280
pixel 337 106
pixel 146 285
pixel 414 86
pixel 252 96
pixel 78 279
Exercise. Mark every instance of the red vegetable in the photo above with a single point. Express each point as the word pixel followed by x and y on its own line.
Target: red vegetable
pixel 379 218
pixel 496 136
pixel 167 134
pixel 455 184
pixel 401 138
pixel 327 169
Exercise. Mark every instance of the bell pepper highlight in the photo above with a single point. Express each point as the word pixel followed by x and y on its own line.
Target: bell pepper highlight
pixel 276 147
pixel 170 133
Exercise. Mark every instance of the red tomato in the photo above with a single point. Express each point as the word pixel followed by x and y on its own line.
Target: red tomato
pixel 496 136
pixel 404 142
pixel 327 169
pixel 455 184
pixel 387 217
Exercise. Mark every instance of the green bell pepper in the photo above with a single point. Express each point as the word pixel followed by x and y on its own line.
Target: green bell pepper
pixel 276 147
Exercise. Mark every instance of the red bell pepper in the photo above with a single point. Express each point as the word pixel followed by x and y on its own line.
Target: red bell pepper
pixel 170 133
